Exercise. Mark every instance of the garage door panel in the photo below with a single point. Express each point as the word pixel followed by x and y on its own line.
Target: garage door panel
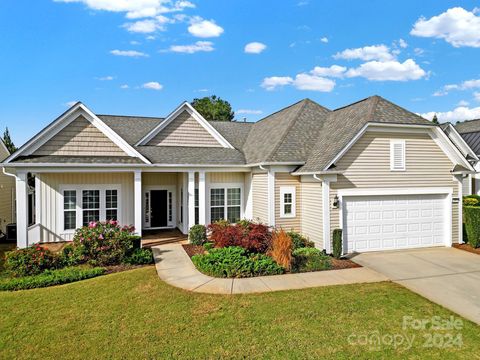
pixel 393 222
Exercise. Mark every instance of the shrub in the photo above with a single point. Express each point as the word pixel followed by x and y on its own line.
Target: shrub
pixel 142 256
pixel 50 278
pixel 281 250
pixel 310 259
pixel 235 262
pixel 254 237
pixel 299 241
pixel 471 216
pixel 208 246
pixel 30 261
pixel 337 243
pixel 467 201
pixel 70 255
pixel 197 234
pixel 104 243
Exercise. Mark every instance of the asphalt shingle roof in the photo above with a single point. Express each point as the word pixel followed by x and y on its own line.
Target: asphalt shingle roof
pixel 468 126
pixel 62 159
pixel 192 155
pixel 130 128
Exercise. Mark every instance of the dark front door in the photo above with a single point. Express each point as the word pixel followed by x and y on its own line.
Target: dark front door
pixel 158 208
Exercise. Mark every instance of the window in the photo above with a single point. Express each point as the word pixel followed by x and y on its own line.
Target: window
pixel 69 210
pixel 197 208
pixel 225 203
pixel 111 204
pixel 147 207
pixel 397 155
pixel 170 206
pixel 90 206
pixel 287 201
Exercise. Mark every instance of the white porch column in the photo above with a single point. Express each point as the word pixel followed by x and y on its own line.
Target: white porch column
pixel 137 199
pixel 271 197
pixel 201 198
pixel 191 199
pixel 326 215
pixel 21 189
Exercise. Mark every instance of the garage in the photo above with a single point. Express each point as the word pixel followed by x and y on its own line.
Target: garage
pixel 390 222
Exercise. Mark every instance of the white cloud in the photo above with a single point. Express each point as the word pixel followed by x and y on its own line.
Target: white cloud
pixel 249 112
pixel 332 71
pixel 367 53
pixel 128 53
pixel 388 71
pixel 418 51
pixel 463 103
pixel 105 78
pixel 402 43
pixel 460 113
pixel 204 28
pixel 204 46
pixel 124 86
pixel 255 47
pixel 456 26
pixel 313 82
pixel 476 96
pixel 466 85
pixel 152 85
pixel 202 90
pixel 133 42
pixel 70 103
pixel 135 9
pixel 271 83
pixel 324 39
pixel 150 37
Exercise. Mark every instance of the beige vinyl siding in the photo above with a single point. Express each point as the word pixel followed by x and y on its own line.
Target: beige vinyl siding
pixel 226 177
pixel 184 130
pixel 159 179
pixel 290 223
pixel 7 190
pixel 311 214
pixel 80 138
pixel 50 196
pixel 260 197
pixel 367 165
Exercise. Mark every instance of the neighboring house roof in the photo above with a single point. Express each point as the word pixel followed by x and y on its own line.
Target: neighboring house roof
pixel 4 153
pixel 304 134
pixel 344 123
pixel 468 126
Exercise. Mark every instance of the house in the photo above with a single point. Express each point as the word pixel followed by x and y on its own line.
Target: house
pixel 389 178
pixel 7 193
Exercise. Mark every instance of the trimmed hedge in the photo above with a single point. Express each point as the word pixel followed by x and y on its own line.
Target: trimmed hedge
pixel 50 278
pixel 197 234
pixel 142 256
pixel 337 243
pixel 471 216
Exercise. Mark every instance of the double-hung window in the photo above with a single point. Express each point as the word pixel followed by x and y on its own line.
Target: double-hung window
pixel 287 201
pixel 90 206
pixel 226 203
pixel 70 209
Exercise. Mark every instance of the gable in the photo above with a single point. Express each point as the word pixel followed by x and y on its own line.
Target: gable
pixel 184 130
pixel 80 138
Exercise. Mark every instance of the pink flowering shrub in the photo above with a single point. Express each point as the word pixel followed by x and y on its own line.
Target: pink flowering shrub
pixel 30 261
pixel 102 243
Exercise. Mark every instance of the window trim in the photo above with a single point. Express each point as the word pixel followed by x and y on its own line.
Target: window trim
pixel 394 142
pixel 224 186
pixel 79 207
pixel 288 190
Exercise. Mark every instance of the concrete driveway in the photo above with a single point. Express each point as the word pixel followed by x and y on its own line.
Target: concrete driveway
pixel 446 276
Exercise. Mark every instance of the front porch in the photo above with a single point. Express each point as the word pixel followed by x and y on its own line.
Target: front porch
pixel 161 237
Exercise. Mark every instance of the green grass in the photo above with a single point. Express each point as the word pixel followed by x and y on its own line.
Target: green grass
pixel 134 315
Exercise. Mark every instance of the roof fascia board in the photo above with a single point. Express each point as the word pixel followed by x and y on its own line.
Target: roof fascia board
pixel 460 142
pixel 444 142
pixel 185 106
pixel 111 165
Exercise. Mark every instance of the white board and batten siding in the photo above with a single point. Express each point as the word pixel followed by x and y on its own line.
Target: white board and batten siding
pixel 312 213
pixel 260 197
pixel 367 165
pixel 50 199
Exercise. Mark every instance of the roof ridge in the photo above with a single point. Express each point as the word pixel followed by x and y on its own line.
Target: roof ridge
pixel 287 130
pixel 136 116
pixel 285 108
pixel 354 103
pixel 375 101
pixel 464 121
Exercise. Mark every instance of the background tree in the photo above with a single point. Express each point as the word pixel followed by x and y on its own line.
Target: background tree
pixel 8 141
pixel 212 108
pixel 435 119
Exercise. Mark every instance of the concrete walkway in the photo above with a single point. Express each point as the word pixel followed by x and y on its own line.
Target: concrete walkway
pixel 446 276
pixel 175 268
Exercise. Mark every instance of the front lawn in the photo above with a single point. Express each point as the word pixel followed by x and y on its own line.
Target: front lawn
pixel 134 315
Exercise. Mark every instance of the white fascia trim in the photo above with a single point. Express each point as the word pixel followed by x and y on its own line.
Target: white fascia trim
pixel 444 142
pixel 60 123
pixel 395 191
pixel 458 140
pixel 112 165
pixel 331 172
pixel 271 196
pixel 185 106
pixel 326 215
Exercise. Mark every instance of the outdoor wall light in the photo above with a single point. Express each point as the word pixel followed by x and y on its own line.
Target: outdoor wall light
pixel 336 202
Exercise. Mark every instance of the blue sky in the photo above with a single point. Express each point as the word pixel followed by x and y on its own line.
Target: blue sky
pixel 144 57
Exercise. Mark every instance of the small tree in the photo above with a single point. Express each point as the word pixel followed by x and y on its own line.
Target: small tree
pixel 212 108
pixel 7 140
pixel 435 119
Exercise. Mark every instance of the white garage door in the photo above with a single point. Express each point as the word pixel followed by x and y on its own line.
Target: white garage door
pixel 374 223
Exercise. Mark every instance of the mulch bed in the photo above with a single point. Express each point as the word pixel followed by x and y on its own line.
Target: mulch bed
pixel 467 247
pixel 337 264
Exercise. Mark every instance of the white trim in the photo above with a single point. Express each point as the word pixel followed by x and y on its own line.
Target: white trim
pixel 457 139
pixel 22 210
pixel 460 207
pixel 287 190
pixel 79 207
pixel 202 189
pixel 185 106
pixel 38 205
pixel 326 215
pixel 271 196
pixel 137 200
pixel 394 191
pixel 225 186
pixel 394 142
pixel 65 119
pixel 249 196
pixel 191 199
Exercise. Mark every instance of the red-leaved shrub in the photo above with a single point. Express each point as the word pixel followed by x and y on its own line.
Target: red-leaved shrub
pixel 252 237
